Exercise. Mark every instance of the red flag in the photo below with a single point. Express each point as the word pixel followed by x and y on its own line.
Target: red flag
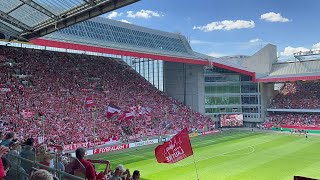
pixel 89 102
pixel 112 110
pixel 178 148
pixel 126 115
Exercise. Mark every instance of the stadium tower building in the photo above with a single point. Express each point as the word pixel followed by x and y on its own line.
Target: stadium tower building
pixel 214 86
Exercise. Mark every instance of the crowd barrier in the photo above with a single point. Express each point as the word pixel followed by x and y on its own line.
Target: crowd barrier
pixel 157 140
pixel 290 129
pixel 300 127
pixel 17 173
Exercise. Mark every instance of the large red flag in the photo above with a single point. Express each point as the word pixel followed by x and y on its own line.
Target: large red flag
pixel 178 148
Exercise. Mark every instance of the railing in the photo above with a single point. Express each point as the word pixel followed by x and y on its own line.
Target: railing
pixel 16 171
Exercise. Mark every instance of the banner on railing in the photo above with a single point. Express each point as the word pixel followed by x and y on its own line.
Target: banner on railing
pixel 193 134
pixel 71 147
pixel 111 148
pixel 143 143
pixel 210 132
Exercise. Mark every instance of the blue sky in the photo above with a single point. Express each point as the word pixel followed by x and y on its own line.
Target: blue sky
pixel 231 27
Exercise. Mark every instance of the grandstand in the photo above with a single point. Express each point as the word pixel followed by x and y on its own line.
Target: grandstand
pixel 76 69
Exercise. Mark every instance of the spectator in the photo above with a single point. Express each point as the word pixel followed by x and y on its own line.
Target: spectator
pixel 16 171
pixel 136 175
pixel 3 163
pixel 120 173
pixel 9 139
pixel 75 165
pixel 41 175
pixel 4 167
pixel 60 165
pixel 28 153
pixel 1 137
pixel 45 160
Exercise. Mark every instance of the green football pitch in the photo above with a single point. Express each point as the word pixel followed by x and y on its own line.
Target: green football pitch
pixel 231 155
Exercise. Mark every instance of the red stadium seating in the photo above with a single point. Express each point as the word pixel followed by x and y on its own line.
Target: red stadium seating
pixel 55 86
pixel 298 96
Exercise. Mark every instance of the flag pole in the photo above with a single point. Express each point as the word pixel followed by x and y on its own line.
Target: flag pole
pixel 195 166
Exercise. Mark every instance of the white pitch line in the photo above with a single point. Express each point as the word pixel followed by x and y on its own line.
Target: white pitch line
pixel 252 151
pixel 210 157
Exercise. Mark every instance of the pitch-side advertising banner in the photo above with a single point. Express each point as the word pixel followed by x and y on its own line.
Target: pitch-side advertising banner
pixel 111 148
pixel 143 143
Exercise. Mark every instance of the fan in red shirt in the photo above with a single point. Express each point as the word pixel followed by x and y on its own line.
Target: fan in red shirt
pixel 75 166
pixel 4 163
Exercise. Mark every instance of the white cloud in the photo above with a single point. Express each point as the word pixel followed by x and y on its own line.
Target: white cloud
pixel 316 46
pixel 114 14
pixel 195 41
pixel 288 51
pixel 125 21
pixel 226 25
pixel 213 54
pixel 273 17
pixel 145 14
pixel 255 40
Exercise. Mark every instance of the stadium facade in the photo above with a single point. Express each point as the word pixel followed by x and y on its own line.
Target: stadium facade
pixel 214 86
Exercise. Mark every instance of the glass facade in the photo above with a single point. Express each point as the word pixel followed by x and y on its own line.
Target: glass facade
pixel 151 70
pixel 228 92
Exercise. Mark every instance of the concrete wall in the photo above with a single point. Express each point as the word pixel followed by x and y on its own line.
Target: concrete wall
pixel 261 61
pixel 185 82
pixel 267 94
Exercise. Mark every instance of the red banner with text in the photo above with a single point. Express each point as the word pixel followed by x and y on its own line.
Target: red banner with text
pixel 178 148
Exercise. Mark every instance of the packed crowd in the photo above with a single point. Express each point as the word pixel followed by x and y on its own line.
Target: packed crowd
pixel 295 119
pixel 298 95
pixel 22 161
pixel 51 88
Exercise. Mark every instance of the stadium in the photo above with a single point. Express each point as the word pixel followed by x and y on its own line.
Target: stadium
pixel 76 84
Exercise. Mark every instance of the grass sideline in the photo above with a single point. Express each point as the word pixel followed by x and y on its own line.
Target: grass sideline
pixel 232 155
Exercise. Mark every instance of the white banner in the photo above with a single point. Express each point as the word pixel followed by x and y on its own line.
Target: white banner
pixel 143 143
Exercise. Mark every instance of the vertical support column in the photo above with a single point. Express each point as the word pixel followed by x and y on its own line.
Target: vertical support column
pixel 184 84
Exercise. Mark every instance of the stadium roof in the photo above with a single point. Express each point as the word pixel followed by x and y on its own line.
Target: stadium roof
pixel 293 71
pixel 27 19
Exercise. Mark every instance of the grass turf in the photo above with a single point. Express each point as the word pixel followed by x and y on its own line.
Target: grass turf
pixel 232 155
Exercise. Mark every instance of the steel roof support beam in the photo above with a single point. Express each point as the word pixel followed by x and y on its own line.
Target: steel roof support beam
pixel 74 18
pixel 9 19
pixel 10 31
pixel 38 7
pixel 91 2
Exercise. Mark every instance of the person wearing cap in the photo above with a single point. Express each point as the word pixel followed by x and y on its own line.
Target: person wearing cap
pixel 120 173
